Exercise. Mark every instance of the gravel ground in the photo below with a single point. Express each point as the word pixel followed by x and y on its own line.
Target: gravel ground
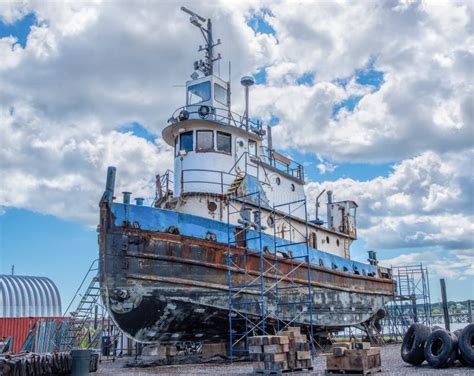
pixel 392 365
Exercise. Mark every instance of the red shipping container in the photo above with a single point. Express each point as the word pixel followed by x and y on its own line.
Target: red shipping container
pixel 19 327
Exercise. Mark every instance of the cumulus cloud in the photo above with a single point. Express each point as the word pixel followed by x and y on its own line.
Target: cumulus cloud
pixel 90 67
pixel 425 201
pixel 60 169
pixel 424 51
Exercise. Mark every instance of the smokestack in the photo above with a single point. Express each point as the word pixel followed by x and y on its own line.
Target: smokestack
pixel 269 138
pixel 247 81
pixel 329 210
pixel 329 197
pixel 126 197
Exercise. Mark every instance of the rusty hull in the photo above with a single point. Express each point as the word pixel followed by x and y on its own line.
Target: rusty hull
pixel 164 287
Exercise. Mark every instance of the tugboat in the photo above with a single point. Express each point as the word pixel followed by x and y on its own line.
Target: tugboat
pixel 227 247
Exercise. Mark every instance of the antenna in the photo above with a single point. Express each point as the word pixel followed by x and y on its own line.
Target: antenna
pixel 206 66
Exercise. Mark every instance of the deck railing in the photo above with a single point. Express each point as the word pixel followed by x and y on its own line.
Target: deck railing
pixel 218 115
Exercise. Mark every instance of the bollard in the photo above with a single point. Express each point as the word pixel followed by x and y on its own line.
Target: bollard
pixel 81 360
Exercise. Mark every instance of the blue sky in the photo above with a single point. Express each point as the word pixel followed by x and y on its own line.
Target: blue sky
pixel 81 122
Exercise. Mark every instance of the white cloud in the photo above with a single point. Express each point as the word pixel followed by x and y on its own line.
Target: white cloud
pixel 425 103
pixel 455 265
pixel 89 67
pixel 425 202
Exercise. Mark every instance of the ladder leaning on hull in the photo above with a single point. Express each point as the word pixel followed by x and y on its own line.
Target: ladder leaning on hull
pixel 81 317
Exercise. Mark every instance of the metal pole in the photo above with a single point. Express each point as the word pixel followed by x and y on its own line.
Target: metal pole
pixel 445 304
pixel 247 107
pixel 469 311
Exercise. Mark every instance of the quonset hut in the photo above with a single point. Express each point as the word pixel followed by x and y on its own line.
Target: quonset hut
pixel 23 301
pixel 26 296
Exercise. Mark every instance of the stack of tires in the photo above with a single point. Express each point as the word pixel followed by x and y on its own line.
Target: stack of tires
pixel 438 347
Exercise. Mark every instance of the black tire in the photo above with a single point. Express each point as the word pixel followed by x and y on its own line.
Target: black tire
pixel 413 344
pixel 457 333
pixel 441 349
pixel 466 345
pixel 436 327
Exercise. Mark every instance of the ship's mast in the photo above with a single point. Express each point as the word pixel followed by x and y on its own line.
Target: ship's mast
pixel 206 66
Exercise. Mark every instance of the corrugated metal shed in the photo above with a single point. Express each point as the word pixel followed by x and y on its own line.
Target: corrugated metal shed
pixel 25 296
pixel 19 328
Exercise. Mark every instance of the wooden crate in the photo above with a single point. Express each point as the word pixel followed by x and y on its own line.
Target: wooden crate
pixel 355 361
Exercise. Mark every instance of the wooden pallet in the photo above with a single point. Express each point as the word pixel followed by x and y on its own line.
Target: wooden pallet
pixel 354 372
pixel 271 372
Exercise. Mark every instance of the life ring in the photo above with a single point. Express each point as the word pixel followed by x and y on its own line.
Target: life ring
pixel 204 111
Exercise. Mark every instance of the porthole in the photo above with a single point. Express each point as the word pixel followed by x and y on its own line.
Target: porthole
pixel 277 180
pixel 337 242
pixel 270 221
pixel 292 187
pixel 327 239
pixel 212 206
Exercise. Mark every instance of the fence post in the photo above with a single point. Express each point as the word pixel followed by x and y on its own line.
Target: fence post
pixel 445 304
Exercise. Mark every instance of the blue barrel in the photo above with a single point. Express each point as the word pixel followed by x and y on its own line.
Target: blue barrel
pixel 80 362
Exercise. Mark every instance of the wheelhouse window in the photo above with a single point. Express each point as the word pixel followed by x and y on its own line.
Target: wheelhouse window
pixel 252 147
pixel 204 140
pixel 199 93
pixel 220 94
pixel 176 149
pixel 186 141
pixel 224 142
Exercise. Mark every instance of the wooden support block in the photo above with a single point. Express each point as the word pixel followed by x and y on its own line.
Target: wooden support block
pixel 211 349
pixel 355 361
pixel 279 357
pixel 362 345
pixel 303 355
pixel 285 347
pixel 256 341
pixel 272 349
pixel 338 351
pixel 294 329
pixel 280 340
pixel 276 365
pixel 300 339
pixel 302 346
pixel 255 349
pixel 346 345
pixel 260 340
pixel 171 350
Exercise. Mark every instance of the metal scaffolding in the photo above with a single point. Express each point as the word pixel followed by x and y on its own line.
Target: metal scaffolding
pixel 247 313
pixel 293 298
pixel 411 300
pixel 270 296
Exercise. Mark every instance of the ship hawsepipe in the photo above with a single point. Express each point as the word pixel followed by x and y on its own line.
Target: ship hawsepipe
pixel 162 281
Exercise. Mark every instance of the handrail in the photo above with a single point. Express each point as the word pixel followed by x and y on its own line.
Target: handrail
pixel 294 168
pixel 80 286
pixel 220 182
pixel 220 115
